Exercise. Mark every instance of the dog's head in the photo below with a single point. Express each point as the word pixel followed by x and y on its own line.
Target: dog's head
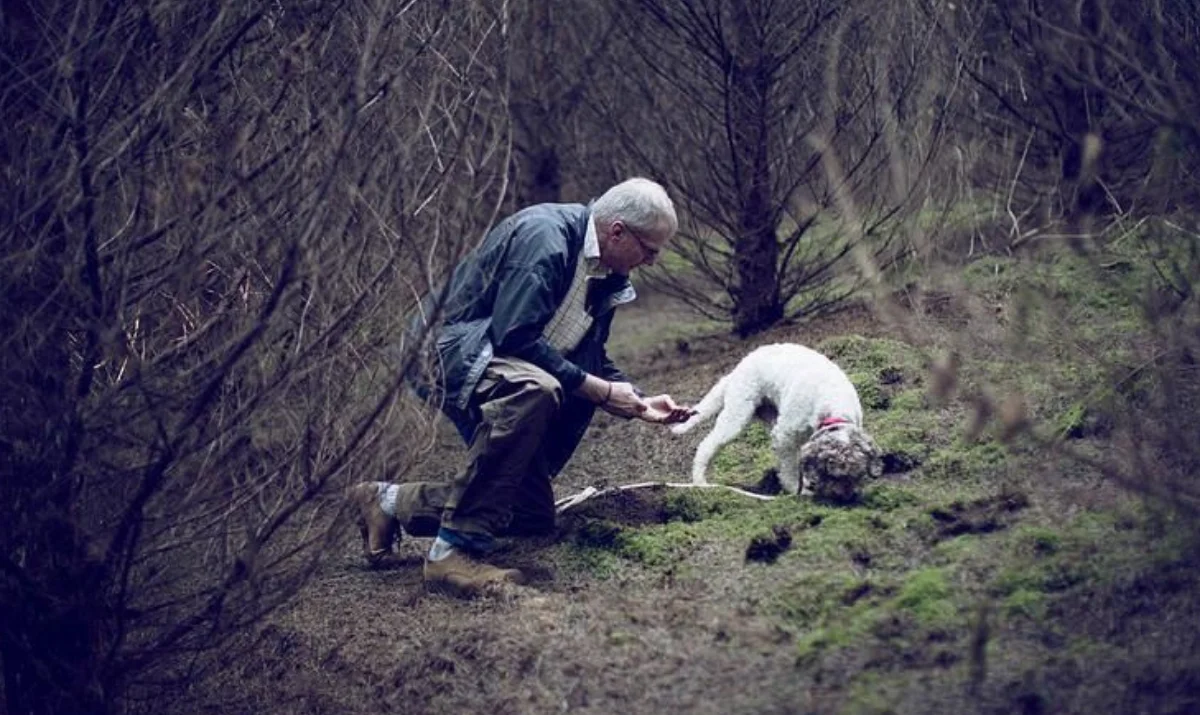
pixel 838 461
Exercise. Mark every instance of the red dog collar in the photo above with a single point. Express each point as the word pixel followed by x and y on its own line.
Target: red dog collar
pixel 831 421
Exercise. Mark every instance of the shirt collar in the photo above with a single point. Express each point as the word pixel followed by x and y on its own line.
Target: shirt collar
pixel 591 246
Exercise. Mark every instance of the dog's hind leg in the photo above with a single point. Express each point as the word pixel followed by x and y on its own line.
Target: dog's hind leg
pixel 730 423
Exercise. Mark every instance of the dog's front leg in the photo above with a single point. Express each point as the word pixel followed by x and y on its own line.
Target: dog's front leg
pixel 783 444
pixel 723 433
pixel 704 454
pixel 789 472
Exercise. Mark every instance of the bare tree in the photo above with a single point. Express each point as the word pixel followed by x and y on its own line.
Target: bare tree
pixel 558 51
pixel 1082 114
pixel 1131 71
pixel 736 104
pixel 216 218
pixel 1053 81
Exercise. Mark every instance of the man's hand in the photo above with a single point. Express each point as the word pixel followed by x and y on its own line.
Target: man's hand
pixel 624 401
pixel 661 409
pixel 620 399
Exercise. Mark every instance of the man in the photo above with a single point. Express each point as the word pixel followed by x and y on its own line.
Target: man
pixel 522 369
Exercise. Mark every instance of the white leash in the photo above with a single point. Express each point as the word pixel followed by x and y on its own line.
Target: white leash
pixel 569 502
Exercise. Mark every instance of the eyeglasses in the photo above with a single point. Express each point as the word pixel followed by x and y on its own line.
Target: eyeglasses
pixel 650 252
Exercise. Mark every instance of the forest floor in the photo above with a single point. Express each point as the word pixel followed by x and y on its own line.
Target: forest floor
pixel 979 576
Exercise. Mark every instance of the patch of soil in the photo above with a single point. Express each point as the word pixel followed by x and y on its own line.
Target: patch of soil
pixel 900 462
pixel 768 485
pixel 856 592
pixel 768 547
pixel 980 516
pixel 631 507
pixel 599 521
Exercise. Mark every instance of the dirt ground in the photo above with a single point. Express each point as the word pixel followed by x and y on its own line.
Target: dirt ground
pixel 695 638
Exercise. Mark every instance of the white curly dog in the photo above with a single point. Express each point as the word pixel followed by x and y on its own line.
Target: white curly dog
pixel 817 437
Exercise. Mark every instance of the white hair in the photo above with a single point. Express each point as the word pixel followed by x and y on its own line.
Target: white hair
pixel 640 203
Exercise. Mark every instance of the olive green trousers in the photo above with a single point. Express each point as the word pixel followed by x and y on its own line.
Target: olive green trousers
pixel 505 488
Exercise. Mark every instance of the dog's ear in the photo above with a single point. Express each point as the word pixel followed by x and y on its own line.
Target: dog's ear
pixel 810 466
pixel 874 457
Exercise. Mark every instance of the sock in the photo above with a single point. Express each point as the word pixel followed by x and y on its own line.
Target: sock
pixel 387 497
pixel 440 549
pixel 472 542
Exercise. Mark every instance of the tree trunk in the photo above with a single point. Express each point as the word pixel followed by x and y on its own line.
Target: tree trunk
pixel 757 304
pixel 1081 108
pixel 538 109
pixel 52 631
pixel 542 176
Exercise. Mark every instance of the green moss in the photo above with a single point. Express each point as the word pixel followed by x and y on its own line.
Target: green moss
pixel 885 358
pixel 992 275
pixel 1025 603
pixel 655 546
pixel 691 505
pixel 886 496
pixel 911 443
pixel 1090 290
pixel 841 534
pixel 744 459
pixel 837 624
pixel 1051 577
pixel 849 611
pixel 966 460
pixel 574 558
pixel 907 430
pixel 870 394
pixel 1041 540
pixel 1071 422
pixel 926 594
pixel 1085 549
pixel 814 596
pixel 912 400
pixel 958 549
pixel 822 534
pixel 810 645
pixel 1069 307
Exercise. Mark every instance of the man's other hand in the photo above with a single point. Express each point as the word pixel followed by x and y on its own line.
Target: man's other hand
pixel 661 409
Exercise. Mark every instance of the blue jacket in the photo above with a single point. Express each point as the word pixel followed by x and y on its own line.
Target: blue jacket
pixel 500 298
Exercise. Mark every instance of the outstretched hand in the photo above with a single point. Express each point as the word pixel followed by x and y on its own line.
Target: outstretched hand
pixel 661 409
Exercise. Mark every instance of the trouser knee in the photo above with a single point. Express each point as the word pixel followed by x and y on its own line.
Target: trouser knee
pixel 524 409
pixel 540 395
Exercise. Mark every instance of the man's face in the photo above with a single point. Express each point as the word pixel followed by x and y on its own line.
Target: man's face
pixel 626 248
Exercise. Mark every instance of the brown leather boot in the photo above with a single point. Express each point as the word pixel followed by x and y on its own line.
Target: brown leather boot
pixel 378 530
pixel 460 575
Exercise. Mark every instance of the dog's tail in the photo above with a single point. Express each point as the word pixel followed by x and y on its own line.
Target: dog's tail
pixel 708 406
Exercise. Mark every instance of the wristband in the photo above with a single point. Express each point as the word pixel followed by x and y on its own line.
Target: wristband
pixel 607 395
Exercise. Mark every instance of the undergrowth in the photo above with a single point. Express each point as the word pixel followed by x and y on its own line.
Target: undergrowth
pixel 973 566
